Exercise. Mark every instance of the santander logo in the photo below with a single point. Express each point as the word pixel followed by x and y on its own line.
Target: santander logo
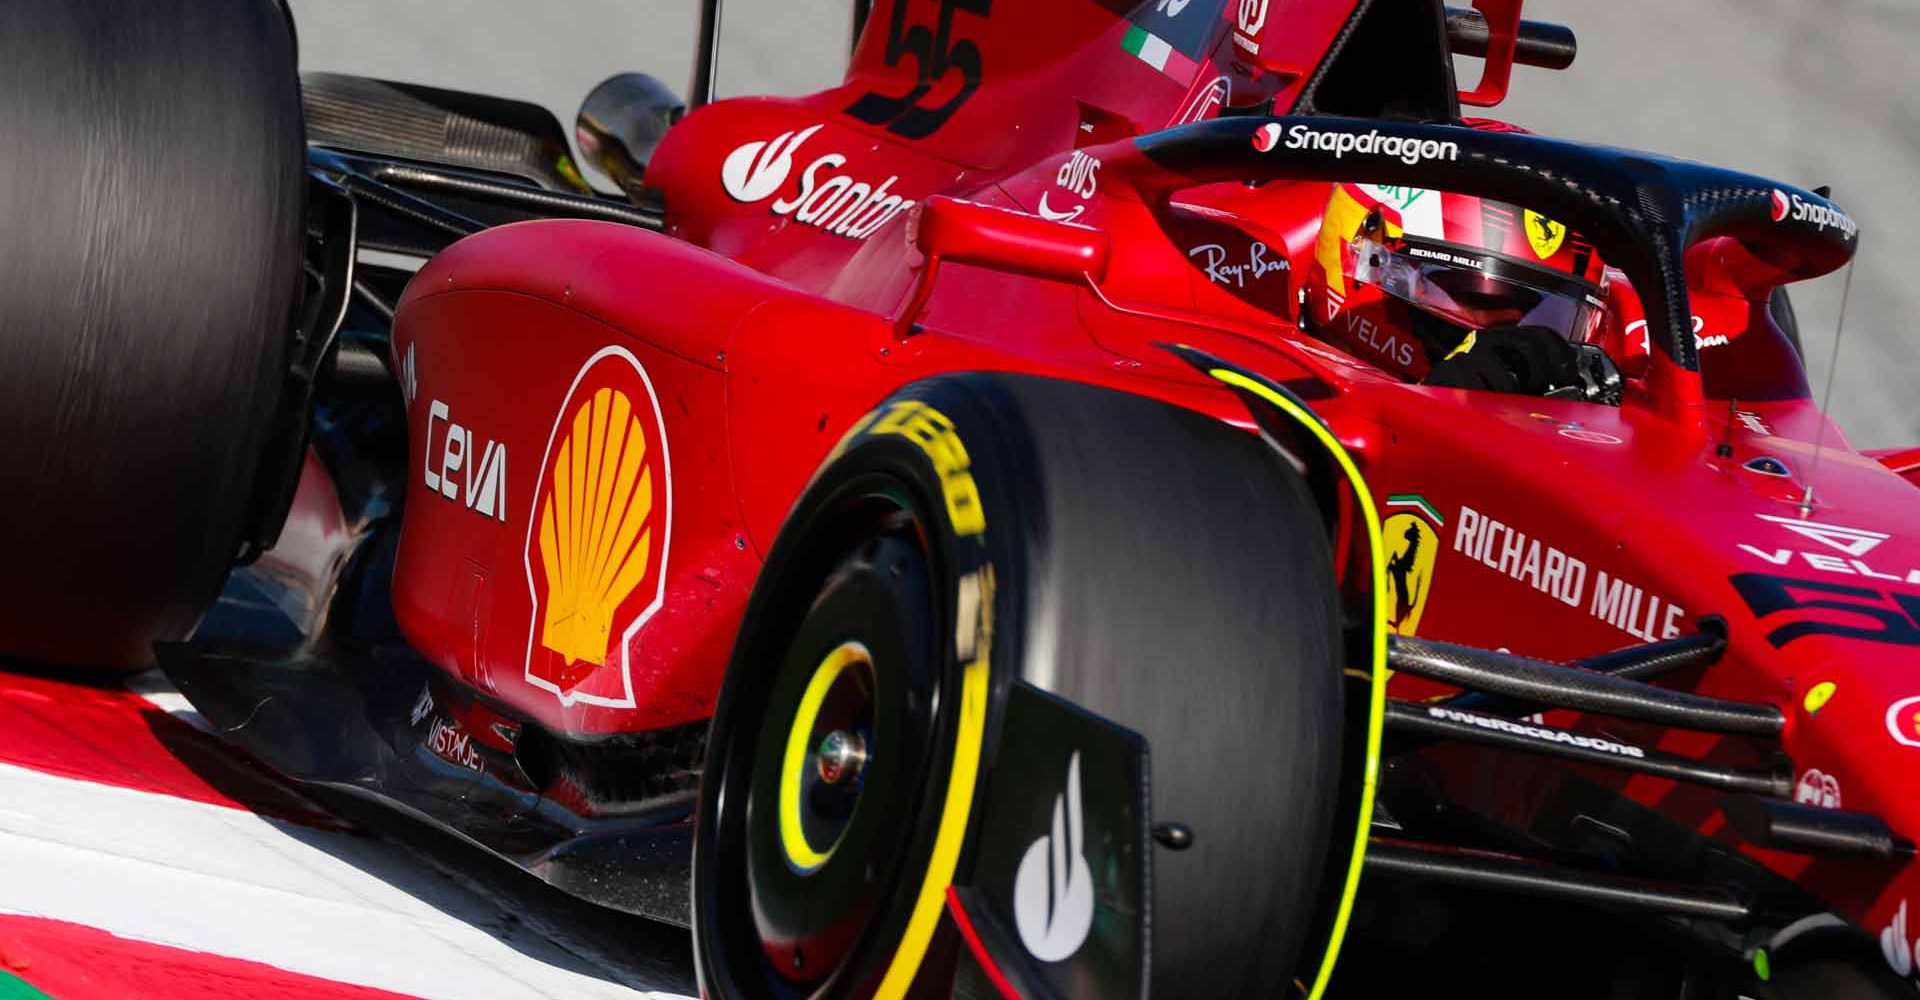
pixel 756 170
pixel 827 199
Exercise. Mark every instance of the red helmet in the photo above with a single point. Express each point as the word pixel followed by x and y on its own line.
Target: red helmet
pixel 1401 276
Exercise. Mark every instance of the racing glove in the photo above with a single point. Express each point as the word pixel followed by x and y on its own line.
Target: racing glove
pixel 1531 361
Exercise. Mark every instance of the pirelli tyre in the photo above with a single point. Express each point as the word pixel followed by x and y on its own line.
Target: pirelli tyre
pixel 151 187
pixel 1039 679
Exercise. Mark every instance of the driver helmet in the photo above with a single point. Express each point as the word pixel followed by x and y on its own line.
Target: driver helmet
pixel 1404 277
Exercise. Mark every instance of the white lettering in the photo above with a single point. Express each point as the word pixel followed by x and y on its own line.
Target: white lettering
pixel 1563 577
pixel 809 179
pixel 451 744
pixel 1778 557
pixel 491 496
pixel 1671 627
pixel 1218 271
pixel 436 410
pixel 1407 150
pixel 452 456
pixel 825 200
pixel 836 203
pixel 1465 529
pixel 1249 19
pixel 1643 627
pixel 1832 564
pixel 850 220
pixel 1865 570
pixel 1367 332
pixel 1077 175
pixel 1556 567
pixel 1510 553
pixel 1574 584
pixel 485 480
pixel 1822 217
pixel 1606 598
pixel 1531 568
pixel 1536 731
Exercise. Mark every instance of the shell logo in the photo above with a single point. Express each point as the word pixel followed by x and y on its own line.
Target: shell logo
pixel 596 548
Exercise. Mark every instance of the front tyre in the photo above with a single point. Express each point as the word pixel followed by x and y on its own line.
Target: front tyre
pixel 1012 625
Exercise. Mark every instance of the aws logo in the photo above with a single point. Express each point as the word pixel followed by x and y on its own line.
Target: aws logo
pixel 596 549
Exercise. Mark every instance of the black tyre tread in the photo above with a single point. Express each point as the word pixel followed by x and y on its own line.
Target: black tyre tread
pixel 1188 589
pixel 152 188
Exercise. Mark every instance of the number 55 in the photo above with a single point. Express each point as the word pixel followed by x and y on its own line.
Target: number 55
pixel 935 52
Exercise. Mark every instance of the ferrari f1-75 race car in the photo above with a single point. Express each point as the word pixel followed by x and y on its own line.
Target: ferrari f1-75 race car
pixel 1118 497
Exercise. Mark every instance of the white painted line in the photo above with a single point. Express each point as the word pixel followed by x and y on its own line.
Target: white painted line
pixel 161 694
pixel 217 880
pixel 398 261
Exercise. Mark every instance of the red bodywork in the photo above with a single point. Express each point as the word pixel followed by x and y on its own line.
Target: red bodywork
pixel 597 590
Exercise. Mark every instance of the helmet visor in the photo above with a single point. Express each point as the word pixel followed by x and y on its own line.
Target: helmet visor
pixel 1477 290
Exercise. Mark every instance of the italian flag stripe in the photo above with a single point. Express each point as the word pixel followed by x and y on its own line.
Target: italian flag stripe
pixel 1154 51
pixel 1416 500
pixel 1149 47
pixel 12 987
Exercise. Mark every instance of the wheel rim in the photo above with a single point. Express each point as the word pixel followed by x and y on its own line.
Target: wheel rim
pixel 822 844
pixel 818 794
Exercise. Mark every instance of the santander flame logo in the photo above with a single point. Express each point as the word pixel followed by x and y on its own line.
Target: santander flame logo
pixel 756 170
pixel 1053 890
pixel 827 196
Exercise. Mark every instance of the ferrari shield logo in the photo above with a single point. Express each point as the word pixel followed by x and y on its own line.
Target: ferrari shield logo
pixel 1544 235
pixel 1412 546
pixel 596 548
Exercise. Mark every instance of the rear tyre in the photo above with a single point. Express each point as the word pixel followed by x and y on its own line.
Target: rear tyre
pixel 152 183
pixel 1146 563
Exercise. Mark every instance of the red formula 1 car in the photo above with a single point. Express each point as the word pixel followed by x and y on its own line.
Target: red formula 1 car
pixel 1115 498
